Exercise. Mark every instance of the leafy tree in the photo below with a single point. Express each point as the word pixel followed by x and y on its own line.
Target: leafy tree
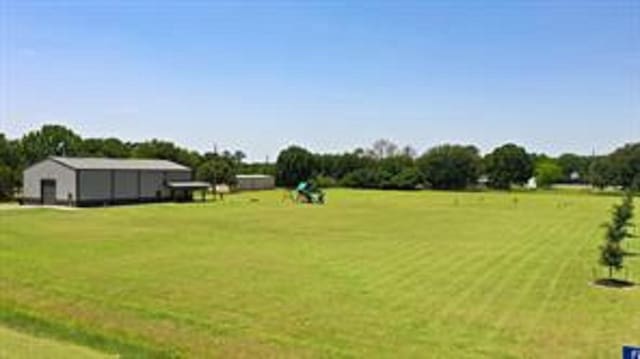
pixel 602 173
pixel 339 165
pixel 11 161
pixel 362 178
pixel 9 152
pixel 105 147
pixel 217 171
pixel 261 168
pixel 384 148
pixel 626 165
pixel 167 151
pixel 508 164
pixel 612 256
pixel 239 156
pixel 408 178
pixel 7 182
pixel 574 164
pixel 395 164
pixel 611 252
pixel 325 181
pixel 50 140
pixel 409 151
pixel 547 173
pixel 450 166
pixel 294 165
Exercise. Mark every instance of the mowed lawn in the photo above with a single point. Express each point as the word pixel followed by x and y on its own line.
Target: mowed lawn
pixel 16 345
pixel 370 274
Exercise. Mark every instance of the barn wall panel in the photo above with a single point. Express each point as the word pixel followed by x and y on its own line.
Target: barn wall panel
pixel 126 184
pixel 95 185
pixel 65 180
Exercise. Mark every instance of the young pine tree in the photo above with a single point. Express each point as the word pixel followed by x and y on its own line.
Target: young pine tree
pixel 619 229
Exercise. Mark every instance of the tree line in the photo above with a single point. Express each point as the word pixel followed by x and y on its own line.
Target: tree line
pixel 383 166
pixel 387 166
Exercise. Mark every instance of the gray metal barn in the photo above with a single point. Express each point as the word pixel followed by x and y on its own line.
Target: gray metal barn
pixel 254 182
pixel 101 181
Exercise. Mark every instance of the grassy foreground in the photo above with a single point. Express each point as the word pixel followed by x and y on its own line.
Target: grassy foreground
pixel 385 274
pixel 17 345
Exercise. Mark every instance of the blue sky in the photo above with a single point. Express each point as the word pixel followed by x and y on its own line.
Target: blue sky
pixel 555 76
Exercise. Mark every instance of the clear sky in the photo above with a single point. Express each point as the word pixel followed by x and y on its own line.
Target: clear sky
pixel 555 76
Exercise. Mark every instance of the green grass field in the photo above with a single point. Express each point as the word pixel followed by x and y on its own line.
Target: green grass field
pixel 16 345
pixel 370 274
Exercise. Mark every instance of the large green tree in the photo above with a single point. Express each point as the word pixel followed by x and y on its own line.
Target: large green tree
pixel 626 166
pixel 168 151
pixel 217 171
pixel 105 147
pixel 11 165
pixel 602 172
pixel 547 173
pixel 508 164
pixel 450 166
pixel 7 182
pixel 294 165
pixel 48 141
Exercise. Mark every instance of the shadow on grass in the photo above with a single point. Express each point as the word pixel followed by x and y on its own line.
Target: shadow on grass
pixel 613 283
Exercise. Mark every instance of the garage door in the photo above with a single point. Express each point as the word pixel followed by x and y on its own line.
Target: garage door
pixel 48 188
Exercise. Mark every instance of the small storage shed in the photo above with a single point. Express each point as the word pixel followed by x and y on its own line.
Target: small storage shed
pixel 101 181
pixel 254 182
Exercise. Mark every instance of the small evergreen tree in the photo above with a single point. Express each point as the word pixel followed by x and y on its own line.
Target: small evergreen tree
pixel 611 253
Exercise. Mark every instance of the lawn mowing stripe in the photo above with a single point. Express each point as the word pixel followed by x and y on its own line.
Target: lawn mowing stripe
pixel 493 267
pixel 506 279
pixel 442 311
pixel 429 301
pixel 467 292
pixel 428 266
pixel 557 273
pixel 140 313
pixel 272 337
pixel 523 291
pixel 551 287
pixel 408 280
pixel 408 257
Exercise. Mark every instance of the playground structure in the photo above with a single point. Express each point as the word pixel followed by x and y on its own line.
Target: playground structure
pixel 307 193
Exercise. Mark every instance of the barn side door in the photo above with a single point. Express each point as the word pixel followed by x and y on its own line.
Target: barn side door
pixel 48 191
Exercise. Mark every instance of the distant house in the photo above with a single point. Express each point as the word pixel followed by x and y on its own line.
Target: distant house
pixel 254 182
pixel 532 183
pixel 574 176
pixel 101 181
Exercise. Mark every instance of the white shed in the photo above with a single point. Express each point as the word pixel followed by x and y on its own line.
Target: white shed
pixel 253 182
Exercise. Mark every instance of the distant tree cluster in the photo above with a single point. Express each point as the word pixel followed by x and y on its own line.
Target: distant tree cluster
pixel 383 166
pixel 620 168
pixel 449 166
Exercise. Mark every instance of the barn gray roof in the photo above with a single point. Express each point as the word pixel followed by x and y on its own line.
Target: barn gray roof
pixel 87 163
